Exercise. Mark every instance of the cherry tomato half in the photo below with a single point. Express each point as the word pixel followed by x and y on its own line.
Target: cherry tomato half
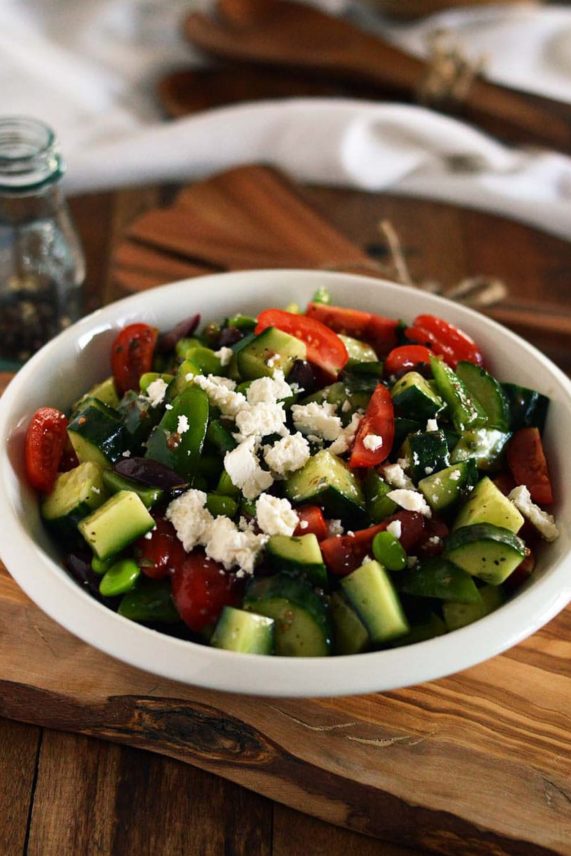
pixel 444 339
pixel 324 347
pixel 132 355
pixel 406 358
pixel 376 330
pixel 526 460
pixel 45 441
pixel 315 523
pixel 378 423
pixel 161 553
pixel 201 588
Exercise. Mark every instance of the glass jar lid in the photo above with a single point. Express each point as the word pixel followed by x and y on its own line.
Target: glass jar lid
pixel 29 155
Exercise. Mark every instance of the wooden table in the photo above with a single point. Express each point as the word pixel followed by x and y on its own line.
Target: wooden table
pixel 68 794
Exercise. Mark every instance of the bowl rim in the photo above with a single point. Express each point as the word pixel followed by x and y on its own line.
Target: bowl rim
pixel 193 664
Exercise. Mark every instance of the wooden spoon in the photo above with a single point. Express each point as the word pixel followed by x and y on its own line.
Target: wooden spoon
pixel 290 35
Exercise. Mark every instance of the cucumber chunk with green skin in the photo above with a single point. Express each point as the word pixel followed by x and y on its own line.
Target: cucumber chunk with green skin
pixel 115 482
pixel 150 602
pixel 97 433
pixel 298 553
pixel 139 418
pixel 428 453
pixel 485 551
pixel 389 551
pixel 116 524
pixel 457 615
pixel 302 625
pixel 181 452
pixel 269 352
pixel 372 595
pixel 326 480
pixel 120 578
pixel 483 445
pixel 105 392
pixel 404 427
pixel 244 632
pixel 356 371
pixel 438 578
pixel 432 627
pixel 447 486
pixel 349 633
pixel 465 410
pixel 379 505
pixel 74 495
pixel 488 392
pixel 414 398
pixel 338 393
pixel 487 504
pixel 218 504
pixel 528 408
pixel 359 352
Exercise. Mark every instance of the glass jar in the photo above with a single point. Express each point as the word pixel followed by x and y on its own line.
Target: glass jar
pixel 41 263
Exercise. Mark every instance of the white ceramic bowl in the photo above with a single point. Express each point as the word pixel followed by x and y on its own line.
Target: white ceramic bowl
pixel 79 357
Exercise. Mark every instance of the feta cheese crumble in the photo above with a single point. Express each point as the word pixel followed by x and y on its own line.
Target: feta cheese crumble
pixel 275 516
pixel 345 440
pixel 231 546
pixel 224 355
pixel 395 528
pixel 269 390
pixel 190 518
pixel 411 500
pixel 259 420
pixel 319 419
pixel 288 454
pixel 395 475
pixel 335 527
pixel 221 392
pixel 156 391
pixel 542 520
pixel 243 467
pixel 182 425
pixel 432 425
pixel 372 442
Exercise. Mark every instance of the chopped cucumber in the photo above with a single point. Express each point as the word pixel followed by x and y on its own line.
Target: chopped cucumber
pixel 445 487
pixel 74 495
pixel 245 632
pixel 150 377
pixel 327 480
pixel 115 524
pixel 528 408
pixel 150 602
pixel 372 595
pixel 115 482
pixel 428 453
pixel 105 392
pixel 379 505
pixel 298 553
pixel 268 352
pixel 465 410
pixel 428 629
pixel 488 392
pixel 487 504
pixel 302 627
pixel 483 445
pixel 359 352
pixel 440 579
pixel 414 398
pixel 349 633
pixel 97 434
pixel 485 551
pixel 457 615
pixel 138 417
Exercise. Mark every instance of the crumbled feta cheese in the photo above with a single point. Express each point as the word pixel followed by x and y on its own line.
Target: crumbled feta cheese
pixel 373 442
pixel 168 406
pixel 126 453
pixel 428 470
pixel 434 539
pixel 455 475
pixel 275 516
pixel 243 467
pixel 156 391
pixel 345 440
pixel 190 518
pixel 259 420
pixel 319 419
pixel 395 528
pixel 224 355
pixel 271 361
pixel 182 425
pixel 230 546
pixel 304 524
pixel 346 407
pixel 221 392
pixel 96 490
pixel 335 527
pixel 288 454
pixel 432 425
pixel 395 475
pixel 411 500
pixel 542 520
pixel 269 389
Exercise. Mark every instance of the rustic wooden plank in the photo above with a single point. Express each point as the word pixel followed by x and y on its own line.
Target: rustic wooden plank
pixel 19 745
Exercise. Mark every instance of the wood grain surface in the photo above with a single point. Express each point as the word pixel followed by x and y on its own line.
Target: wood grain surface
pixel 66 793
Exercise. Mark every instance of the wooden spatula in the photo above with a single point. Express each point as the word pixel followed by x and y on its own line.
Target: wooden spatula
pixel 289 35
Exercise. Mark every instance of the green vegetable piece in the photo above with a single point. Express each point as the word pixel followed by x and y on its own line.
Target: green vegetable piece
pixel 298 554
pixel 218 504
pixel 105 392
pixel 327 480
pixel 150 377
pixel 322 295
pixel 120 578
pixel 116 524
pixel 115 482
pixel 379 505
pixel 359 352
pixel 181 452
pixel 269 352
pixel 349 633
pixel 389 551
pixel 465 410
pixel 528 408
pixel 201 361
pixel 483 445
pixel 150 602
pixel 488 392
pixel 441 579
pixel 101 566
pixel 185 345
pixel 74 495
pixel 457 615
pixel 430 628
pixel 246 323
pixel 220 436
pixel 487 504
pixel 245 632
pixel 428 452
pixel 97 434
pixel 447 486
pixel 485 551
pixel 373 596
pixel 226 487
pixel 414 398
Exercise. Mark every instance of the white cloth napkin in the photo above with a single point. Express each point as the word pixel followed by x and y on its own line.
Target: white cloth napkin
pixel 88 70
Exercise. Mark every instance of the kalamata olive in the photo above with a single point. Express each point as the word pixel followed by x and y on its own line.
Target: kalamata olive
pixel 167 341
pixel 303 375
pixel 229 336
pixel 149 472
pixel 79 566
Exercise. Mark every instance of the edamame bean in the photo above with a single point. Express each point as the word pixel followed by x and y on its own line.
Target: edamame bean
pixel 389 551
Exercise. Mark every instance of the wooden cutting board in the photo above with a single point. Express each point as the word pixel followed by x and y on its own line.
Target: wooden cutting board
pixel 476 763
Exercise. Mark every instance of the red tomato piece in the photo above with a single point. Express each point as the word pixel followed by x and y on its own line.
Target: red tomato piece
pixel 444 339
pixel 69 460
pixel 312 515
pixel 379 421
pixel 45 441
pixel 201 588
pixel 526 460
pixel 406 358
pixel 132 355
pixel 159 555
pixel 344 553
pixel 376 330
pixel 324 347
